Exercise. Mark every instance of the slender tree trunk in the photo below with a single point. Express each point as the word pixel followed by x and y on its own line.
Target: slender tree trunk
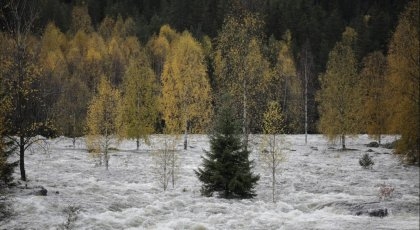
pixel 274 167
pixel 22 158
pixel 20 107
pixel 285 101
pixel 106 148
pixel 306 104
pixel 379 139
pixel 165 175
pixel 165 166
pixel 106 157
pixel 244 128
pixel 186 136
pixel 106 160
pixel 74 142
pixel 343 141
pixel 138 108
pixel 274 183
pixel 173 169
pixel 74 130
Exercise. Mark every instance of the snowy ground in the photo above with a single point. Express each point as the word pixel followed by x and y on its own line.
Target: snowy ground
pixel 318 188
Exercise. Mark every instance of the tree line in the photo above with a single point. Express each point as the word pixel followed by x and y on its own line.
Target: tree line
pixel 101 78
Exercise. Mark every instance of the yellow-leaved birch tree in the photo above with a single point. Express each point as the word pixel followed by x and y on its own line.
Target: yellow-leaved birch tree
pixel 271 154
pixel 101 120
pixel 290 86
pixel 138 108
pixel 373 111
pixel 186 92
pixel 403 82
pixel 338 97
pixel 238 43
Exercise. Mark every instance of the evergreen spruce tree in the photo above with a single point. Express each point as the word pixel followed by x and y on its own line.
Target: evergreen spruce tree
pixel 6 167
pixel 226 167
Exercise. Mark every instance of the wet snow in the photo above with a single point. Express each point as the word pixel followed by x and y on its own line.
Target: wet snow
pixel 318 187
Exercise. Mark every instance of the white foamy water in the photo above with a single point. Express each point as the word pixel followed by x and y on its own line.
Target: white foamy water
pixel 318 187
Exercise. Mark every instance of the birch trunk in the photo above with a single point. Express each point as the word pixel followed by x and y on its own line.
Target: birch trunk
pixel 306 104
pixel 244 128
pixel 186 136
pixel 274 166
pixel 343 141
pixel 22 158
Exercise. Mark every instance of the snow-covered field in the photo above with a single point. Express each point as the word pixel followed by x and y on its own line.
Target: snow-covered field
pixel 318 188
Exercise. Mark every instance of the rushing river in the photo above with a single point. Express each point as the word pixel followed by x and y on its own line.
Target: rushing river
pixel 318 187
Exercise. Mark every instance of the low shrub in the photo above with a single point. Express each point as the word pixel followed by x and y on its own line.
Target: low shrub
pixel 366 161
pixel 385 191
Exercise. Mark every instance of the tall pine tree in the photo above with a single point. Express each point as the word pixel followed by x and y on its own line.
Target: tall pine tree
pixel 226 167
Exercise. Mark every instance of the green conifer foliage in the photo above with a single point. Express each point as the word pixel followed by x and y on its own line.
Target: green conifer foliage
pixel 366 161
pixel 226 167
pixel 6 149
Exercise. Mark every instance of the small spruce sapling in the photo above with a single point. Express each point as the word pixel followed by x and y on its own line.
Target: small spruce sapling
pixel 226 168
pixel 366 161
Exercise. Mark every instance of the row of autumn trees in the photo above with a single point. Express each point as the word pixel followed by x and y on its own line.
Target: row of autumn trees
pixel 102 81
pixel 380 94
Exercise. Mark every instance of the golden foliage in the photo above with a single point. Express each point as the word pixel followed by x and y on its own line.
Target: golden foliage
pixel 80 20
pixel 70 108
pixel 186 93
pixel 138 107
pixel 167 32
pixel 158 47
pixel 288 85
pixel 285 64
pixel 373 111
pixel 271 154
pixel 102 116
pixel 338 98
pixel 240 66
pixel 273 122
pixel 403 82
pixel 53 45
